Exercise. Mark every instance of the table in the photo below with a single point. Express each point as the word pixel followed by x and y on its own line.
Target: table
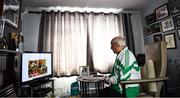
pixel 86 80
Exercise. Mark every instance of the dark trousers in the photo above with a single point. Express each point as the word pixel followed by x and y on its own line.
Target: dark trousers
pixel 109 92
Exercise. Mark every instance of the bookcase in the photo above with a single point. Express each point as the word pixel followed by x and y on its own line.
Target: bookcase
pixel 9 57
pixel 9 72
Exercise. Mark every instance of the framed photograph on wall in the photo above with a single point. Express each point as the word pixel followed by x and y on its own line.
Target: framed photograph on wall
pixel 167 25
pixel 150 18
pixel 156 28
pixel 177 21
pixel 148 30
pixel 11 11
pixel 162 11
pixel 157 37
pixel 171 41
pixel 84 70
pixel 174 6
pixel 178 32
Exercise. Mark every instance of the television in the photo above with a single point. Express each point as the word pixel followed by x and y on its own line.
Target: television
pixel 36 66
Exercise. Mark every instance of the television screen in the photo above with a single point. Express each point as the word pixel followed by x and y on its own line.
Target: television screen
pixel 36 66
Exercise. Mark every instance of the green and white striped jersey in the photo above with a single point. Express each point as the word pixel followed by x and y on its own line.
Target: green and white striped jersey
pixel 125 68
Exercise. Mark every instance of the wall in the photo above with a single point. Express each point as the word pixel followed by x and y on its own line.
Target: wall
pixel 172 72
pixel 30 30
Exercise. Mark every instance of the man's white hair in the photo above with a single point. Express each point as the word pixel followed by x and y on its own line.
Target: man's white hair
pixel 120 41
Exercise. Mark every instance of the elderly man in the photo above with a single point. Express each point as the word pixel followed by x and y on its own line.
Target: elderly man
pixel 124 68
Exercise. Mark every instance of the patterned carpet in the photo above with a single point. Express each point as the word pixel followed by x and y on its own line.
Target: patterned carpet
pixel 59 92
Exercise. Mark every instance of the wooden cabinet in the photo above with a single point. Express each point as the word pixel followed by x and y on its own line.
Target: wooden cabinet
pixel 1 7
pixel 10 15
pixel 9 69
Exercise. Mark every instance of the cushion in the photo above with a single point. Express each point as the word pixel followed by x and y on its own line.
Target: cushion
pixel 148 71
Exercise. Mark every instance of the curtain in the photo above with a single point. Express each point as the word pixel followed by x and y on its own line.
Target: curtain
pixel 64 34
pixel 79 39
pixel 128 32
pixel 137 33
pixel 101 29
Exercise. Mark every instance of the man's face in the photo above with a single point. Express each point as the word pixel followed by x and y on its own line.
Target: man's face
pixel 115 48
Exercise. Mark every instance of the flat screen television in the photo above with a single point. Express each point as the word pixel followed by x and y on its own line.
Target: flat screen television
pixel 36 66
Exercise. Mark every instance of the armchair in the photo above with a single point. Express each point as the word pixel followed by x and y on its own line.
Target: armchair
pixel 156 64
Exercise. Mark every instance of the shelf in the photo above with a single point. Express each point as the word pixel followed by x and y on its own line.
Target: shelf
pixel 37 90
pixel 10 51
pixel 9 22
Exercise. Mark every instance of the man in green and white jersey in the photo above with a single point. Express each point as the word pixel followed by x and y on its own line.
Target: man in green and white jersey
pixel 124 68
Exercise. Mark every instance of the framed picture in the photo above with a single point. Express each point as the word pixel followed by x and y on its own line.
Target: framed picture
pixel 14 36
pixel 156 28
pixel 177 21
pixel 157 37
pixel 178 32
pixel 174 6
pixel 148 30
pixel 11 11
pixel 150 18
pixel 171 41
pixel 84 70
pixel 167 25
pixel 162 12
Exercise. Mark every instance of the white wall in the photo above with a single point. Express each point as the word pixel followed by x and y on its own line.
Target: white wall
pixel 30 30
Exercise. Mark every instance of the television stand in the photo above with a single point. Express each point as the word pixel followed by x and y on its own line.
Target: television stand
pixel 39 89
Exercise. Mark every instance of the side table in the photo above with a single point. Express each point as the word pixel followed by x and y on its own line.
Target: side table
pixel 85 82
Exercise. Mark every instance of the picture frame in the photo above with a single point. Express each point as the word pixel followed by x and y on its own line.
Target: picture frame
pixel 157 37
pixel 167 24
pixel 150 18
pixel 162 11
pixel 178 32
pixel 177 21
pixel 83 70
pixel 171 41
pixel 174 6
pixel 14 36
pixel 11 12
pixel 148 30
pixel 156 28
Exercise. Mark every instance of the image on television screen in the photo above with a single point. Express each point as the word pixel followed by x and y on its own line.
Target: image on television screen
pixel 37 67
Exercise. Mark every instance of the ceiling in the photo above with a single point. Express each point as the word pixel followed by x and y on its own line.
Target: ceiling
pixel 125 4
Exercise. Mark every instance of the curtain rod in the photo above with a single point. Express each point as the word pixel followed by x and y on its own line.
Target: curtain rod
pixel 35 12
pixel 39 12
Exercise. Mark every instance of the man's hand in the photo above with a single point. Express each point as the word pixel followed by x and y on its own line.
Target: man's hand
pixel 106 79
